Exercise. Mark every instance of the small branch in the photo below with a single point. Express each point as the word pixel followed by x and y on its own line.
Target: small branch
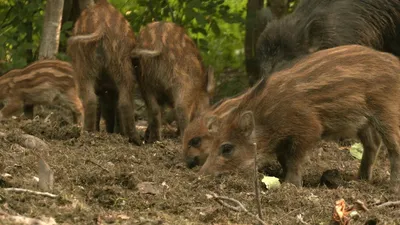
pixel 256 186
pixel 6 17
pixel 171 12
pixel 390 203
pixel 95 163
pixel 26 220
pixel 231 207
pixel 300 219
pixel 220 200
pixel 361 205
pixel 32 192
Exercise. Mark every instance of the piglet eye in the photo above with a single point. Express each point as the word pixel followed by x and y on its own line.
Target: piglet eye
pixel 195 142
pixel 226 149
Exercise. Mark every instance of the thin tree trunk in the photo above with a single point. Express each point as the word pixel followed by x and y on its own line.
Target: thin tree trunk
pixel 28 109
pixel 85 3
pixel 51 29
pixel 67 9
pixel 29 34
pixel 71 13
pixel 250 39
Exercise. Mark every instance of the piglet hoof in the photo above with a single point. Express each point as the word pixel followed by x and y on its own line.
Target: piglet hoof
pixel 147 135
pixel 362 175
pixel 294 179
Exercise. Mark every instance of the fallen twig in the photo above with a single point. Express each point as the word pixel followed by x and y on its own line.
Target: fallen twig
pixel 256 186
pixel 390 203
pixel 287 214
pixel 32 192
pixel 220 200
pixel 361 205
pixel 95 163
pixel 300 219
pixel 46 176
pixel 27 220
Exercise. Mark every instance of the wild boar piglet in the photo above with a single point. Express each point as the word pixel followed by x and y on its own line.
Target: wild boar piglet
pixel 44 82
pixel 100 48
pixel 196 141
pixel 175 76
pixel 346 91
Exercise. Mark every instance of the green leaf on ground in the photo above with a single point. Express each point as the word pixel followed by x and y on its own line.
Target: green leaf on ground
pixel 271 182
pixel 356 150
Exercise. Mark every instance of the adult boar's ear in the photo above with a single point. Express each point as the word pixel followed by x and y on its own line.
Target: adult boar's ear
pixel 315 45
pixel 210 81
pixel 212 124
pixel 246 123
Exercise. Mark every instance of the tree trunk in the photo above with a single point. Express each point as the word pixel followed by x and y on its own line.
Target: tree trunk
pixel 85 3
pixel 29 33
pixel 67 9
pixel 51 29
pixel 71 13
pixel 250 39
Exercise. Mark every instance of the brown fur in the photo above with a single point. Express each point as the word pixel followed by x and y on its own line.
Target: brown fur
pixel 346 91
pixel 43 82
pixel 173 74
pixel 100 50
pixel 197 141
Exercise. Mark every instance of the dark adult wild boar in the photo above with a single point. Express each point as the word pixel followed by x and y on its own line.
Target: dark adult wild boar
pixel 100 51
pixel 43 82
pixel 197 141
pixel 339 92
pixel 322 24
pixel 175 76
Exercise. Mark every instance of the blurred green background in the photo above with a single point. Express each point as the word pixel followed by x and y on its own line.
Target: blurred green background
pixel 217 26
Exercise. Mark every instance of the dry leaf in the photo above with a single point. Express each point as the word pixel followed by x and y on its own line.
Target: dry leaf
pixel 148 188
pixel 33 142
pixel 46 176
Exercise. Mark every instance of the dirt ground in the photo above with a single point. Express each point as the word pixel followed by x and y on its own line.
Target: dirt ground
pixel 101 179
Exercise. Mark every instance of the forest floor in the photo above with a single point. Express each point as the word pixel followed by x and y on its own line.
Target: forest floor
pixel 102 179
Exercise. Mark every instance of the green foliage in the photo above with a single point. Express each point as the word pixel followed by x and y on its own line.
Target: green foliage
pixel 20 31
pixel 217 26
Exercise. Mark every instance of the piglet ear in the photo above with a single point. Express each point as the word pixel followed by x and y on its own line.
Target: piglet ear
pixel 212 124
pixel 246 123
